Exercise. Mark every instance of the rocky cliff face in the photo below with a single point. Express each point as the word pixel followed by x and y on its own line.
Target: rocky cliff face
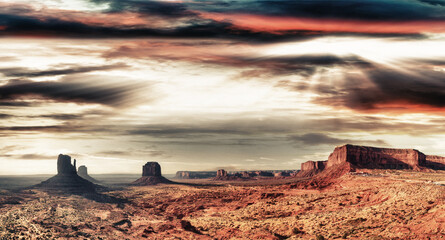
pixel 64 165
pixel 371 157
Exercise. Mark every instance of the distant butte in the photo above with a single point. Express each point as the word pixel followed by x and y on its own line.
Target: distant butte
pixel 67 179
pixel 82 171
pixel 151 175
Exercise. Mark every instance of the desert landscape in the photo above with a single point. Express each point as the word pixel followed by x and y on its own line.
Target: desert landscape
pixel 349 197
pixel 222 119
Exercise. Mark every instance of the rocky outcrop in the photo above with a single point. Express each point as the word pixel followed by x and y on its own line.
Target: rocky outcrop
pixel 194 174
pixel 310 168
pixel 67 179
pixel 372 157
pixel 313 165
pixel 349 158
pixel 221 173
pixel 151 175
pixel 82 171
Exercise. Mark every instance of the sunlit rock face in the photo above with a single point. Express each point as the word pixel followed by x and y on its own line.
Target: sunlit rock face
pixel 372 157
pixel 64 165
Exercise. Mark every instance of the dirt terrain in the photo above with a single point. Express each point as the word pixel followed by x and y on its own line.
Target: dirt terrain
pixel 381 204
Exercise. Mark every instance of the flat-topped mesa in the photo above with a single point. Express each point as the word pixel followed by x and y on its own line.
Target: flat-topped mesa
pixel 151 175
pixel 64 165
pixel 151 169
pixel 372 157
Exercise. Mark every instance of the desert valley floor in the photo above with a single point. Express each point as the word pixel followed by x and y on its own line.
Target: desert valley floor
pixel 382 204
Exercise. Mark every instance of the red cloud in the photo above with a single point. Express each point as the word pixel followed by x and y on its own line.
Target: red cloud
pixel 276 24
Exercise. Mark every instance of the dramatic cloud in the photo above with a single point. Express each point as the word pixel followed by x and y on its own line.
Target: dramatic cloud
pixel 314 139
pixel 3 116
pixel 194 20
pixel 376 10
pixel 157 8
pixel 25 72
pixel 254 84
pixel 383 87
pixel 15 25
pixel 111 93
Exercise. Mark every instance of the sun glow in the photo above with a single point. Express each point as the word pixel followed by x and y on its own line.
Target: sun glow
pixel 377 50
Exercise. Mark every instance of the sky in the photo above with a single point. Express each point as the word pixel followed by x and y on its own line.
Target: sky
pixel 203 85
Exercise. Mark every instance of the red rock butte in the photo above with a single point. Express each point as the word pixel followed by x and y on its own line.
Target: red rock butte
pixel 151 175
pixel 375 158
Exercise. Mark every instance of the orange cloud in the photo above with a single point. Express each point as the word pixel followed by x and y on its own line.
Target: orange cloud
pixel 271 24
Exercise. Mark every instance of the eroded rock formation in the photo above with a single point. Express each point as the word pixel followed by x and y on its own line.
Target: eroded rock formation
pixel 64 165
pixel 310 168
pixel 151 169
pixel 151 175
pixel 82 171
pixel 67 179
pixel 372 157
pixel 221 173
pixel 313 165
pixel 350 157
